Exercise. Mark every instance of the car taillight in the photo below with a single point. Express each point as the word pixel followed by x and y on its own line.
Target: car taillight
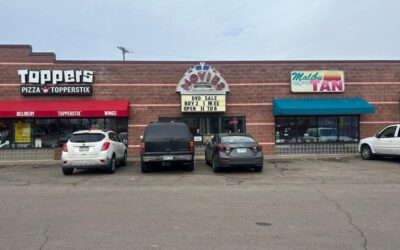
pixel 65 148
pixel 223 148
pixel 142 148
pixel 257 148
pixel 105 146
pixel 191 146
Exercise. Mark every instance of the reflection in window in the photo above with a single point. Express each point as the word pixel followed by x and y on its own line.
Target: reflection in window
pixel 313 129
pixel 67 127
pixel 307 129
pixel 5 134
pixel 46 133
pixel 388 133
pixel 348 128
pixel 285 130
pixel 327 129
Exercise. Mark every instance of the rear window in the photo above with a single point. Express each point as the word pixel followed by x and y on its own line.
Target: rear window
pixel 167 131
pixel 236 139
pixel 87 137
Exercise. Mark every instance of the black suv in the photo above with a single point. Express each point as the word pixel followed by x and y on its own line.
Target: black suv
pixel 166 142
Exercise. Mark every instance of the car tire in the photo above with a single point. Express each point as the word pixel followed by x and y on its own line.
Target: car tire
pixel 113 165
pixel 124 159
pixel 145 167
pixel 366 153
pixel 67 171
pixel 215 166
pixel 190 167
pixel 258 169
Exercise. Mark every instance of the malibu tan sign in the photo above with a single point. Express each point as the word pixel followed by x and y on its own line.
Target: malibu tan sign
pixel 317 81
pixel 202 89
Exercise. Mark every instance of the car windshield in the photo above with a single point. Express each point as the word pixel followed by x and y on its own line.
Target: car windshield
pixel 327 132
pixel 236 139
pixel 87 137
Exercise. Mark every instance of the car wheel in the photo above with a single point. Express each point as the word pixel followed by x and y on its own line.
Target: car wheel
pixel 258 169
pixel 125 159
pixel 112 166
pixel 190 167
pixel 215 165
pixel 145 167
pixel 366 152
pixel 67 171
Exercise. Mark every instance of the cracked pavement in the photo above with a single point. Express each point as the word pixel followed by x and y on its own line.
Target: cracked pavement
pixel 304 203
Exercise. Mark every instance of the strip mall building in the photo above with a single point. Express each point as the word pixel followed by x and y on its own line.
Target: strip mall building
pixel 289 107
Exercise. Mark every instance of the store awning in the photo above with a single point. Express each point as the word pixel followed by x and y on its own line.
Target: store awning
pixel 53 108
pixel 326 106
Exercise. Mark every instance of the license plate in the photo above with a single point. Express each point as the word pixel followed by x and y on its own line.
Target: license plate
pixel 168 157
pixel 83 149
pixel 242 150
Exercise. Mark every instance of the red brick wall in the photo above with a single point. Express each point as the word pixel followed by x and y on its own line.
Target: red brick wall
pixel 144 83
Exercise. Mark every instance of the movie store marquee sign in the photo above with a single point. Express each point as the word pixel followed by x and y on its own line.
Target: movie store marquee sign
pixel 317 81
pixel 56 82
pixel 202 89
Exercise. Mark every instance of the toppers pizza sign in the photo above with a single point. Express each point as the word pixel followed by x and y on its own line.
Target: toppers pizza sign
pixel 317 81
pixel 56 82
pixel 202 89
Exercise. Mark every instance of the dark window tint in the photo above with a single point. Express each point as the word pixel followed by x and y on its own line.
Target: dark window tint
pixel 236 139
pixel 5 134
pixel 87 137
pixel 388 133
pixel 167 131
pixel 285 129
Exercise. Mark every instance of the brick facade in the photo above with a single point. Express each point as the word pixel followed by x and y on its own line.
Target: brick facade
pixel 150 88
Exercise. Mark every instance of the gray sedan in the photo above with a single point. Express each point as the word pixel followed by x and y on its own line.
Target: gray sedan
pixel 234 150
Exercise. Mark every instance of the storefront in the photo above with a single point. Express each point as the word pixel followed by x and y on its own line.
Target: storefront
pixel 291 107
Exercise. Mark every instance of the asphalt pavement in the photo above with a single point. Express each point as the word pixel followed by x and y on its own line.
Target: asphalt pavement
pixel 303 203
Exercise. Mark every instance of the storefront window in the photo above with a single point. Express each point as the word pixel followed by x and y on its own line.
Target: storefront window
pixel 232 125
pixel 327 129
pixel 46 133
pixel 316 129
pixel 307 129
pixel 213 125
pixel 5 134
pixel 23 134
pixel 285 130
pixel 67 127
pixel 348 128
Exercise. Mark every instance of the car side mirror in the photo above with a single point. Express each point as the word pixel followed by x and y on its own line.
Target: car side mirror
pixel 377 135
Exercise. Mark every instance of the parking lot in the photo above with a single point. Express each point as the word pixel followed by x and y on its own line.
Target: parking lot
pixel 301 203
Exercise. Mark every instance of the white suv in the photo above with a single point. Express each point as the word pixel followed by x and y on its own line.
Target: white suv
pixel 386 142
pixel 93 149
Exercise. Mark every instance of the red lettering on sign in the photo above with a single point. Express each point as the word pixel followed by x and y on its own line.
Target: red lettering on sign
pixel 337 85
pixel 314 85
pixel 325 86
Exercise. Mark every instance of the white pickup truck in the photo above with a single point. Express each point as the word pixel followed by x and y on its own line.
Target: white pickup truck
pixel 386 142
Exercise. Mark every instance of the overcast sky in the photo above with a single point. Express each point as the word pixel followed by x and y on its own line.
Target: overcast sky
pixel 205 30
